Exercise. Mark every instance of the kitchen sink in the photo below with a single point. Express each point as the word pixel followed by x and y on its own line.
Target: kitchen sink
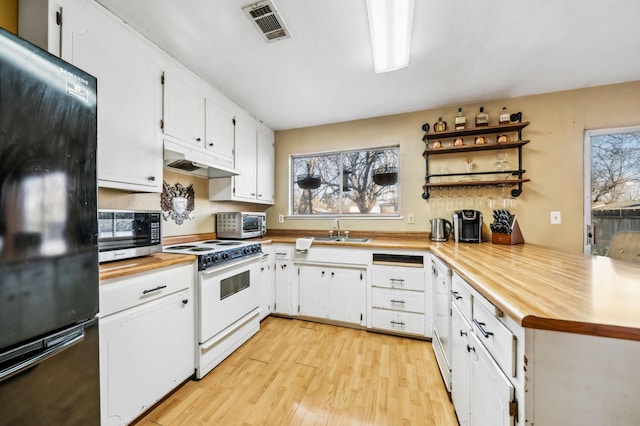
pixel 342 239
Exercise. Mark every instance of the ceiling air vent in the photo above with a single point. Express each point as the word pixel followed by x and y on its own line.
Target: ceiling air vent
pixel 268 21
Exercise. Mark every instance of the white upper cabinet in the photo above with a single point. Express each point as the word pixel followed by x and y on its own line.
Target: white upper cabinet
pixel 219 130
pixel 254 158
pixel 246 155
pixel 183 110
pixel 265 170
pixel 129 97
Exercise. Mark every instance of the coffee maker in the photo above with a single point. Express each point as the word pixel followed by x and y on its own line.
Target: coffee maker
pixel 467 226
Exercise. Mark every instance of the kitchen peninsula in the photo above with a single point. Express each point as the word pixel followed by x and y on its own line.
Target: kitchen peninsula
pixel 574 317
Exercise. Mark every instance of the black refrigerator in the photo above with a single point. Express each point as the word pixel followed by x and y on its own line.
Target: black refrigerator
pixel 48 239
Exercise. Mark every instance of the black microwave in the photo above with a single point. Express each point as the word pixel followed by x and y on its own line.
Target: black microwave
pixel 123 234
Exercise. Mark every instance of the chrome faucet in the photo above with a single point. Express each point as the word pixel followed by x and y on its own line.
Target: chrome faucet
pixel 336 224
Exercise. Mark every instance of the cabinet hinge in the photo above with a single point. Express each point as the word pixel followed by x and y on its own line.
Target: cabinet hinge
pixel 234 190
pixel 58 18
pixel 361 317
pixel 298 271
pixel 513 410
pixel 161 124
pixel 234 121
pixel 162 79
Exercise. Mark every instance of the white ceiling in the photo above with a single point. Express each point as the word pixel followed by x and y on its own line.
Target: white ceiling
pixel 463 51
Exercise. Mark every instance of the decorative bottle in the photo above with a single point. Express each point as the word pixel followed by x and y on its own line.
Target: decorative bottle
pixel 440 126
pixel 482 118
pixel 504 116
pixel 461 120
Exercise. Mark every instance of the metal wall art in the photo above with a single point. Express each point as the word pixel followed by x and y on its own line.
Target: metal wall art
pixel 177 202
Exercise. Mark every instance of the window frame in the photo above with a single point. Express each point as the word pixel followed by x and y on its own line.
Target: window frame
pixel 292 182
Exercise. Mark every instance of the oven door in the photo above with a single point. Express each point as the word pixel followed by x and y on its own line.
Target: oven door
pixel 227 293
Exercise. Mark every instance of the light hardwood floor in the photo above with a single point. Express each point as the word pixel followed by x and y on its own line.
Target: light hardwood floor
pixel 296 372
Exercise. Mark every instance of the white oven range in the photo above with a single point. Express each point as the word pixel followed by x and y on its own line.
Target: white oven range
pixel 227 297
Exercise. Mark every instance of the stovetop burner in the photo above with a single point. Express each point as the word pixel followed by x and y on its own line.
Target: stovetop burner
pixel 212 253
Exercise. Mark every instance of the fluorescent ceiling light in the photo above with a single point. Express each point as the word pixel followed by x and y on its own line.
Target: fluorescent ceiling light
pixel 390 23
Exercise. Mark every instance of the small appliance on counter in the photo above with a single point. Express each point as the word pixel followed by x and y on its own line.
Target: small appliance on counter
pixel 124 234
pixel 440 229
pixel 467 226
pixel 240 225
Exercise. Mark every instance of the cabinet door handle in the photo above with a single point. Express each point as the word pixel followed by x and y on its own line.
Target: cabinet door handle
pixel 151 290
pixel 456 295
pixel 151 178
pixel 198 139
pixel 470 348
pixel 323 273
pixel 396 323
pixel 402 302
pixel 463 333
pixel 185 301
pixel 480 326
pixel 210 143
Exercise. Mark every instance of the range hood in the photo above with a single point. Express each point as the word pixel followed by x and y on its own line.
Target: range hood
pixel 181 159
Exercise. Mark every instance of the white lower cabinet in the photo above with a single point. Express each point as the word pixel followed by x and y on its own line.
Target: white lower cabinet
pixel 491 393
pixel 461 360
pixel 265 281
pixel 482 351
pixel 146 340
pixel 331 292
pixel 399 294
pixel 286 298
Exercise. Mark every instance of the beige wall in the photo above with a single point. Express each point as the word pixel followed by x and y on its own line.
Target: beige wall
pixel 204 209
pixel 9 15
pixel 553 159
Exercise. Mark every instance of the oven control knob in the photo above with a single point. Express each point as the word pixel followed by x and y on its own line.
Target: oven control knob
pixel 247 250
pixel 225 256
pixel 215 258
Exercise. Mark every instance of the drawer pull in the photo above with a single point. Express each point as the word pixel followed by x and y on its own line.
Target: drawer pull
pixel 402 302
pixel 463 333
pixel 456 295
pixel 396 323
pixel 160 287
pixel 480 326
pixel 396 280
pixel 470 348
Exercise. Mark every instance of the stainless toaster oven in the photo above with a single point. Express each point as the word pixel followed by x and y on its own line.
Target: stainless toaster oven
pixel 240 225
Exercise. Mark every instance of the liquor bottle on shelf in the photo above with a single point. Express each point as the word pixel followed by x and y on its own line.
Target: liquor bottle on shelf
pixel 504 116
pixel 461 120
pixel 482 118
pixel 440 126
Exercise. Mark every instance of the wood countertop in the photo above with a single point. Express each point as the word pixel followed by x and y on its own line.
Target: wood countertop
pixel 141 264
pixel 547 289
pixel 539 287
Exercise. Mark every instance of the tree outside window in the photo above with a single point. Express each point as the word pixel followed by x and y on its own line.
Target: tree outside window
pixel 360 182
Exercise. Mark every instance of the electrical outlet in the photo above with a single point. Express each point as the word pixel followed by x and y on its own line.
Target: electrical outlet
pixel 555 218
pixel 280 218
pixel 411 218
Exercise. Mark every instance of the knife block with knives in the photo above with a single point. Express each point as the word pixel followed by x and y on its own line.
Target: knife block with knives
pixel 505 228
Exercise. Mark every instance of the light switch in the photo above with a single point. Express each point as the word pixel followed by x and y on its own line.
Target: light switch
pixel 411 218
pixel 555 218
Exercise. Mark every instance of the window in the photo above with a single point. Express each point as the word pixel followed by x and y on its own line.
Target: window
pixel 612 185
pixel 361 182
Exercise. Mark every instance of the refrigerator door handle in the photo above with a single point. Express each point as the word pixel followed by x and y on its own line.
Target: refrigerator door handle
pixel 63 344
